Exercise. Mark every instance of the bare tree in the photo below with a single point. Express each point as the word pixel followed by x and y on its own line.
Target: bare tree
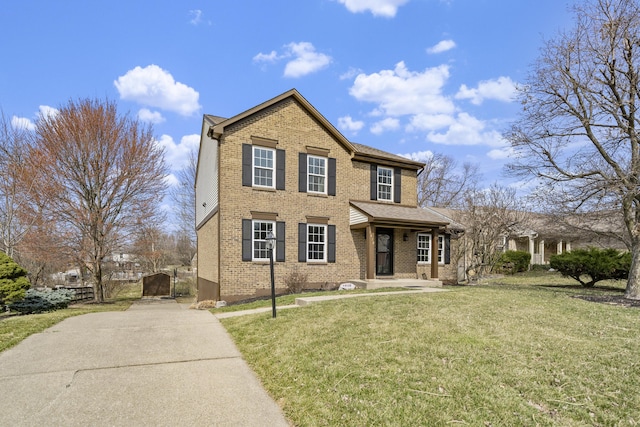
pixel 441 185
pixel 16 186
pixel 183 197
pixel 578 130
pixel 488 215
pixel 101 172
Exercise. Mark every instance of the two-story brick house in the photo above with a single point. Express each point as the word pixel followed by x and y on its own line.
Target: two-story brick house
pixel 340 211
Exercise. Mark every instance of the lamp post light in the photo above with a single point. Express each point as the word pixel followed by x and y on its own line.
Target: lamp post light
pixel 271 240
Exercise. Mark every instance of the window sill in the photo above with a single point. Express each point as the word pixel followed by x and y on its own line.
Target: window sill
pixel 317 194
pixel 271 190
pixel 317 263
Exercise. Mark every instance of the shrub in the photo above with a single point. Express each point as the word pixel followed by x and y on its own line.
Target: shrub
pixel 36 301
pixel 13 280
pixel 512 262
pixel 595 264
pixel 295 281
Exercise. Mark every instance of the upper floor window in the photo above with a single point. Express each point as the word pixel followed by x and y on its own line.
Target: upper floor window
pixel 385 183
pixel 263 166
pixel 317 174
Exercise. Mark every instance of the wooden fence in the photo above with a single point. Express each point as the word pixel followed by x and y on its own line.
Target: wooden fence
pixel 83 293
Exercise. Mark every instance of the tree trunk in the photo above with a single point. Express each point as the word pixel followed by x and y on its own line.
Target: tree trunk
pixel 633 283
pixel 98 295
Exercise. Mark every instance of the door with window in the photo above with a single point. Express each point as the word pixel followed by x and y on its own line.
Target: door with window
pixel 384 252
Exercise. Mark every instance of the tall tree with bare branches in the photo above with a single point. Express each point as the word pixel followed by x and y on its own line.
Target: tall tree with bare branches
pixel 101 171
pixel 183 197
pixel 441 184
pixel 16 186
pixel 578 132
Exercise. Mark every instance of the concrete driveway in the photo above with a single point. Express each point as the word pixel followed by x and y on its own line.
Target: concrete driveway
pixel 156 364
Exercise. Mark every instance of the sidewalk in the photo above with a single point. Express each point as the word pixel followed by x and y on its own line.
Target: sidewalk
pixel 156 364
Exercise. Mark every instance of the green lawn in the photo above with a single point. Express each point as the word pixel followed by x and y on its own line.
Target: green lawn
pixel 521 351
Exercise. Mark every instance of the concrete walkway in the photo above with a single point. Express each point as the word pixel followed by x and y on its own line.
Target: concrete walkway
pixel 156 364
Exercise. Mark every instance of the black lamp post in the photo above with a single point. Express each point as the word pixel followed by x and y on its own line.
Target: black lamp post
pixel 271 240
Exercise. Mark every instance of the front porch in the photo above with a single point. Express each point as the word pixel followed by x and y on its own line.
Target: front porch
pixel 397 283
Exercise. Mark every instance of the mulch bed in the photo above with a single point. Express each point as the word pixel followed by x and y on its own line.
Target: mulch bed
pixel 611 299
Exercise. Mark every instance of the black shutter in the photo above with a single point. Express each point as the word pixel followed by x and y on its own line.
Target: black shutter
pixel 331 249
pixel 280 238
pixel 247 160
pixel 397 184
pixel 302 172
pixel 374 182
pixel 331 191
pixel 302 242
pixel 247 250
pixel 447 249
pixel 280 169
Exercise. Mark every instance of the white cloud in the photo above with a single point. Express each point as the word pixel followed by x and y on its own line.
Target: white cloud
pixel 419 156
pixel 350 73
pixel 384 8
pixel 306 60
pixel 28 124
pixel 467 130
pixel 501 153
pixel 154 87
pixel 430 121
pixel 385 125
pixel 147 115
pixel 400 91
pixel 270 57
pixel 177 155
pixel 346 123
pixel 442 46
pixel 196 16
pixel 22 123
pixel 500 89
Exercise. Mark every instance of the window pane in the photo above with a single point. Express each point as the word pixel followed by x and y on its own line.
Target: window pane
pixel 385 183
pixel 316 242
pixel 260 230
pixel 424 243
pixel 316 174
pixel 262 167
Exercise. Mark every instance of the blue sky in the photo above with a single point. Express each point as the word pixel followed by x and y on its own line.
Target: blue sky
pixel 405 76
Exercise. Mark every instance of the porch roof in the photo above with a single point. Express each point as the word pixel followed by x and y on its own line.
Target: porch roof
pixel 396 215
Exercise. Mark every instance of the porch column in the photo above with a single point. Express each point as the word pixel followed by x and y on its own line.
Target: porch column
pixel 371 252
pixel 559 247
pixel 434 253
pixel 568 247
pixel 532 250
pixel 541 251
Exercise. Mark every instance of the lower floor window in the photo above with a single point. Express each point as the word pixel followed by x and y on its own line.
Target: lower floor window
pixel 316 242
pixel 424 248
pixel 260 231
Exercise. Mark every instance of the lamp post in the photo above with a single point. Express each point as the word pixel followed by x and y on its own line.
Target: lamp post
pixel 271 239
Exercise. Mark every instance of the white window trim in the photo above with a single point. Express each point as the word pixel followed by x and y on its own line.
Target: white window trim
pixel 253 166
pixel 253 240
pixel 428 250
pixel 390 199
pixel 440 248
pixel 325 245
pixel 326 173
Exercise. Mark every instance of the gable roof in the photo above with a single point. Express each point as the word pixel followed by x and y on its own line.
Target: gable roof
pixel 360 152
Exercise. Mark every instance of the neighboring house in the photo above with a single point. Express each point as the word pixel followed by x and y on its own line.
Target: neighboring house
pixel 340 211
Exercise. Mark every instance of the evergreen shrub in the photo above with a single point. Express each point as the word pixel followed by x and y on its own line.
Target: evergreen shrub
pixel 36 301
pixel 589 266
pixel 512 262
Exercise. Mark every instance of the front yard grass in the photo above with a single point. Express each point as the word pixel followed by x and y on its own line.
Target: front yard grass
pixel 506 353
